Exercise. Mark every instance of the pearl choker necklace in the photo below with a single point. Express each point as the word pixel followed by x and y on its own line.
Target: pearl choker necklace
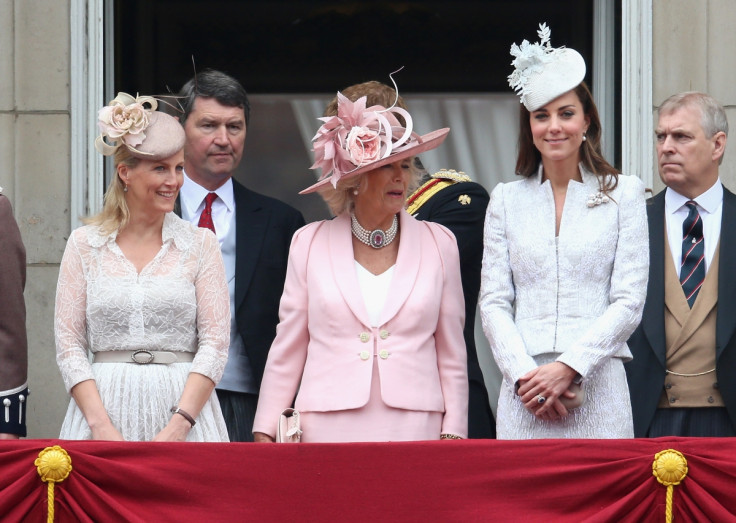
pixel 376 239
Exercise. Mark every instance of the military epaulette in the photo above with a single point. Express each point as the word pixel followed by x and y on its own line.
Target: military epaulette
pixel 438 181
pixel 452 174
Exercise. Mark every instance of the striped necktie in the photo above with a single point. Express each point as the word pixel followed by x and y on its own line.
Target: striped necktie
pixel 205 219
pixel 692 270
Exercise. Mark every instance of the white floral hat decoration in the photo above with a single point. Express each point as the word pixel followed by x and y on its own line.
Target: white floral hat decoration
pixel 360 139
pixel 147 133
pixel 542 72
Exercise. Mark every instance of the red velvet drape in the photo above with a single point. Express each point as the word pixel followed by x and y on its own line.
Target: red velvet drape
pixel 539 480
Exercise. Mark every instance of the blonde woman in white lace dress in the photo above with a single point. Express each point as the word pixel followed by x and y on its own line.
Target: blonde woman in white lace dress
pixel 145 293
pixel 565 263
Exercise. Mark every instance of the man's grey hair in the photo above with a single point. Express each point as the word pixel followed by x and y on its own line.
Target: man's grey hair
pixel 713 116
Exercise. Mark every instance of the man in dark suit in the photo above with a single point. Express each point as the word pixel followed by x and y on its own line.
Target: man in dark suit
pixel 13 343
pixel 683 375
pixel 254 232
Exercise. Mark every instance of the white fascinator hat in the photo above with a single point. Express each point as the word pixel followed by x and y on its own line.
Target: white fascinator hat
pixel 542 72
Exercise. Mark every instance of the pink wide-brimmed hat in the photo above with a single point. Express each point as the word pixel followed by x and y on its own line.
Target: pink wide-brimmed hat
pixel 360 139
pixel 148 134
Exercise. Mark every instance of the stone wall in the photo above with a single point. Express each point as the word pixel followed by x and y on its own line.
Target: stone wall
pixel 35 175
pixel 692 45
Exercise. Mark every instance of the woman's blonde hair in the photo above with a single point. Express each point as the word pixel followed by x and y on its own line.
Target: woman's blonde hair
pixel 342 199
pixel 115 213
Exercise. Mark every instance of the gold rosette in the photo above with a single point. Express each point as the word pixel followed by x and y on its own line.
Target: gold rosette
pixel 53 465
pixel 670 468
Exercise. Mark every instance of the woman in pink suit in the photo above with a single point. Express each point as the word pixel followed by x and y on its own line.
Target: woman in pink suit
pixel 370 339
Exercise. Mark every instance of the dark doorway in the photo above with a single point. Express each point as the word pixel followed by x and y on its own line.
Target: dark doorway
pixel 277 47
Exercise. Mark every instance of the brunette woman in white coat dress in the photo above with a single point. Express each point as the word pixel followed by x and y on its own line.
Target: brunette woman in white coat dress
pixel 370 342
pixel 565 263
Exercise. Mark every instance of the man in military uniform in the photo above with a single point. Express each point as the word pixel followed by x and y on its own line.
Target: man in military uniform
pixel 13 344
pixel 450 198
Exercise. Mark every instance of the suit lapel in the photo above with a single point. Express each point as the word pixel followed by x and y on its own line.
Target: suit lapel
pixel 407 266
pixel 726 320
pixel 653 316
pixel 251 222
pixel 342 260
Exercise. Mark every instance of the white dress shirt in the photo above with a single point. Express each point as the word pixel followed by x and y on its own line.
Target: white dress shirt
pixel 238 375
pixel 710 207
pixel 192 204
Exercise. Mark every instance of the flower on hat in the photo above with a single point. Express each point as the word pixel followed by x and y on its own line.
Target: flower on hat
pixel 358 136
pixel 363 145
pixel 529 59
pixel 123 121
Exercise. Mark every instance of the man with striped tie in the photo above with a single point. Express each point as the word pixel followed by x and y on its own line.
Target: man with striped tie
pixel 683 375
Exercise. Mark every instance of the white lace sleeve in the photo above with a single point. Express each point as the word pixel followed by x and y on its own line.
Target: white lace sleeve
pixel 70 316
pixel 213 310
pixel 497 295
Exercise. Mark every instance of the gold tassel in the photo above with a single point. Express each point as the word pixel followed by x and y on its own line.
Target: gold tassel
pixel 670 468
pixel 53 465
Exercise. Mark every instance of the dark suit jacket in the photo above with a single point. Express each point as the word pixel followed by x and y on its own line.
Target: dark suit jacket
pixel 264 227
pixel 466 223
pixel 646 372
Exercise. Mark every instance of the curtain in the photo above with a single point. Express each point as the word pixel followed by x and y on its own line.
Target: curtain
pixel 531 481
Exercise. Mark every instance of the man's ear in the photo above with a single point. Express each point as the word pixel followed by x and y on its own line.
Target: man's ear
pixel 719 145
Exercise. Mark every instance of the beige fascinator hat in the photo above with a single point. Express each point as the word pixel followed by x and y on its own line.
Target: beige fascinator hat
pixel 360 139
pixel 542 72
pixel 148 134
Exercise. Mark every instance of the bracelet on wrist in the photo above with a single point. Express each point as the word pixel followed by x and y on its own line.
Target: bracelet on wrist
pixel 184 414
pixel 450 436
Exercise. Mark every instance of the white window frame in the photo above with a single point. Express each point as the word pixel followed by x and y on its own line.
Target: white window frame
pixel 92 41
pixel 637 124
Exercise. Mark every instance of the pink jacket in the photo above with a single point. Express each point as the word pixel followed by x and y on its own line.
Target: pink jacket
pixel 324 343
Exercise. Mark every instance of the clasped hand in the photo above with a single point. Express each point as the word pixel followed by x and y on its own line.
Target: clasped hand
pixel 550 381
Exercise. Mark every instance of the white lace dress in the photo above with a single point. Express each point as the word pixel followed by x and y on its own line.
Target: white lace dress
pixel 575 298
pixel 178 302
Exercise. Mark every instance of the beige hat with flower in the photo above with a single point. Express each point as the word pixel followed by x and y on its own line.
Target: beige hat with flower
pixel 148 134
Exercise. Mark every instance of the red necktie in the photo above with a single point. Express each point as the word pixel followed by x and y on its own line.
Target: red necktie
pixel 205 220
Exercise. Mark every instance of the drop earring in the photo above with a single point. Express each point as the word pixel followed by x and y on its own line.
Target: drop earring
pixel 585 138
pixel 355 191
pixel 125 189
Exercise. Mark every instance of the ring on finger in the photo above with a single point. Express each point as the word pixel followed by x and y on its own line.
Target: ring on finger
pixel 540 399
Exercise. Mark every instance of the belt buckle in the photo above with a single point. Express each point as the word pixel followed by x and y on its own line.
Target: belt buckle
pixel 150 355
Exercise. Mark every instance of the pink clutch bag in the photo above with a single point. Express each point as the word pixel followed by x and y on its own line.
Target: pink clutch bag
pixel 289 429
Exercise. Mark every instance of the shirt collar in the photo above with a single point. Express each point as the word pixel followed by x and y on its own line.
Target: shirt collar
pixel 169 232
pixel 192 195
pixel 708 201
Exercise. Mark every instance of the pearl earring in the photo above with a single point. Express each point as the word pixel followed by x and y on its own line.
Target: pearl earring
pixel 585 138
pixel 125 189
pixel 355 191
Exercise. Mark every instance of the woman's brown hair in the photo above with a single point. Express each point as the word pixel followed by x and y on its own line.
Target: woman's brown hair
pixel 527 161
